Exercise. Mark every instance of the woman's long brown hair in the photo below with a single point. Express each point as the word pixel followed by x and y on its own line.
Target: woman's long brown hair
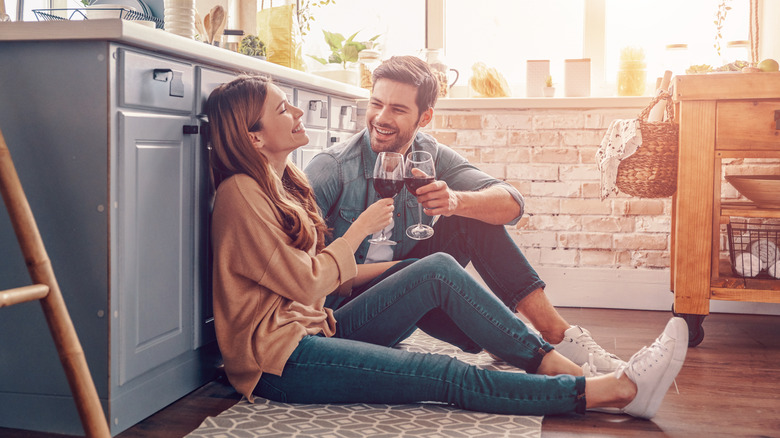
pixel 234 110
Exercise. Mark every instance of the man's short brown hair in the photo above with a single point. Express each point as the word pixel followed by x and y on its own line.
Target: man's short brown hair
pixel 413 71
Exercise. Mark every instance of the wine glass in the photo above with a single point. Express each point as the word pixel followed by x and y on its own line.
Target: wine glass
pixel 388 182
pixel 419 171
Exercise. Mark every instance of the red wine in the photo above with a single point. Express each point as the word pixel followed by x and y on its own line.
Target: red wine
pixel 388 188
pixel 412 184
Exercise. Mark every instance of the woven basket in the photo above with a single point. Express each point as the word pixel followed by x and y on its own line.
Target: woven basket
pixel 651 171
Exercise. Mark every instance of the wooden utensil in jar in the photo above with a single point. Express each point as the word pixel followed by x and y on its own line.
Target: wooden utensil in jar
pixel 199 26
pixel 217 14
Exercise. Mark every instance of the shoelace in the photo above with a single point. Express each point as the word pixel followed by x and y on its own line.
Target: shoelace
pixel 642 365
pixel 589 368
pixel 587 340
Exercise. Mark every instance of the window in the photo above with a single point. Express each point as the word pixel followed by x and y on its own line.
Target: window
pixel 655 24
pixel 505 34
pixel 401 24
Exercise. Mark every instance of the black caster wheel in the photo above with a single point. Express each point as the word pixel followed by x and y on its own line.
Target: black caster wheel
pixel 695 329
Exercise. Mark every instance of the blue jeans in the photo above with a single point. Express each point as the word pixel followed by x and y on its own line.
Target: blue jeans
pixel 496 258
pixel 356 366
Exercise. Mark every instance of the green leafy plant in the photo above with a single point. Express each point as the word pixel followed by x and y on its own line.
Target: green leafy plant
pixel 305 14
pixel 720 17
pixel 548 81
pixel 251 45
pixel 343 50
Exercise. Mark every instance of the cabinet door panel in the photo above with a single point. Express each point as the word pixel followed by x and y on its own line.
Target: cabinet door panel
pixel 155 221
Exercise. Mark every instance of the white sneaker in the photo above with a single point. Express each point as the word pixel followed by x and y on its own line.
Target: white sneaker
pixel 654 368
pixel 579 347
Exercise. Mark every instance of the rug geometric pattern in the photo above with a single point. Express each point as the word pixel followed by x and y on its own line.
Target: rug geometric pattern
pixel 266 418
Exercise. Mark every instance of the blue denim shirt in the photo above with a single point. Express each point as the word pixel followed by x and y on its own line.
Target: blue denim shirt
pixel 342 179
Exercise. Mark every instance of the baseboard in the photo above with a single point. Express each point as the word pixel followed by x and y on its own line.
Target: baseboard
pixel 626 289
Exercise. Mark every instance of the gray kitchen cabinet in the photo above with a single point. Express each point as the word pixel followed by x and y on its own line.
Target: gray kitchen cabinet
pixel 104 123
pixel 106 148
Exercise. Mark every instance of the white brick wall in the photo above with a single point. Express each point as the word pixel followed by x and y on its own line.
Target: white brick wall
pixel 549 155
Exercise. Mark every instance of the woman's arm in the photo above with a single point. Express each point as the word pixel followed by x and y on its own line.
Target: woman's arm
pixel 369 271
pixel 250 243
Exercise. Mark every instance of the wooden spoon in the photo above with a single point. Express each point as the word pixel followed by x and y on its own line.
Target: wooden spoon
pixel 207 28
pixel 221 27
pixel 217 14
pixel 199 26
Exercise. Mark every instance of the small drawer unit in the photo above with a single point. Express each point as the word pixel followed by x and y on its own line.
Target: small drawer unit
pixel 315 108
pixel 343 114
pixel 748 125
pixel 149 82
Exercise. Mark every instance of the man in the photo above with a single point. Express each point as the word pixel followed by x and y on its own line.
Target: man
pixel 472 208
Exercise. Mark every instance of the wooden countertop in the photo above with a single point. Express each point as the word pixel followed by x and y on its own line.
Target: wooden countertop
pixel 720 86
pixel 157 40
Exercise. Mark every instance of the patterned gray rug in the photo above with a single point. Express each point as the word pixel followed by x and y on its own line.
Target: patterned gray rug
pixel 266 418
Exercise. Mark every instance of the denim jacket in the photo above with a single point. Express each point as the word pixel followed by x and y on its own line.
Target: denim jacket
pixel 342 179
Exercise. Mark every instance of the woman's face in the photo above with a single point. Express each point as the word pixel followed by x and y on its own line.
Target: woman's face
pixel 283 131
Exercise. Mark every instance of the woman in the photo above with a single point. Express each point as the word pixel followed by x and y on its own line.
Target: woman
pixel 272 273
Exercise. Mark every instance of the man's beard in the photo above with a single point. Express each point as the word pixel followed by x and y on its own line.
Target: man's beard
pixel 401 140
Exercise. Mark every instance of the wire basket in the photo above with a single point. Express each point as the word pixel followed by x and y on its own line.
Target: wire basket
pixel 78 14
pixel 753 249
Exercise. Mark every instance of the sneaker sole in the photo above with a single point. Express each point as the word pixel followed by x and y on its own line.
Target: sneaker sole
pixel 679 332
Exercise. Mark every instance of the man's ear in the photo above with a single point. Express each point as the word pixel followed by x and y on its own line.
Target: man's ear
pixel 426 117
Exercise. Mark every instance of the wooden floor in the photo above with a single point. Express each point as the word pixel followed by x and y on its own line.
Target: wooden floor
pixel 729 386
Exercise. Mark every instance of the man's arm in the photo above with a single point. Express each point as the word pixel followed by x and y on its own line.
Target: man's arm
pixel 493 205
pixel 324 181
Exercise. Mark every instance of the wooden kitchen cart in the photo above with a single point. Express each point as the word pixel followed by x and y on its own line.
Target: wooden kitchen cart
pixel 722 116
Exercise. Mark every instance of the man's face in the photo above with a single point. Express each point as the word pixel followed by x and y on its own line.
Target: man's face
pixel 392 117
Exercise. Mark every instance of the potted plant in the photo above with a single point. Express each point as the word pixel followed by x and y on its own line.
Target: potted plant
pixel 251 45
pixel 343 54
pixel 549 89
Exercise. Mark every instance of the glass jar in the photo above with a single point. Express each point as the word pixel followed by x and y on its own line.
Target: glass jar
pixel 736 51
pixel 676 58
pixel 435 60
pixel 632 78
pixel 368 60
pixel 231 39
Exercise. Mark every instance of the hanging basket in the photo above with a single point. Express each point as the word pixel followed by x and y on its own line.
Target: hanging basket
pixel 651 171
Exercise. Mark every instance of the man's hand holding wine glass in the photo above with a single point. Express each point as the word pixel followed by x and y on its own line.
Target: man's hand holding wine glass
pixel 437 199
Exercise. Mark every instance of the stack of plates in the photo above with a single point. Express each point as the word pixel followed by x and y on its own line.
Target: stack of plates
pixel 180 17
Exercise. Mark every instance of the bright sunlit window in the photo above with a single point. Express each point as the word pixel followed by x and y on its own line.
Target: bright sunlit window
pixel 688 26
pixel 401 24
pixel 505 34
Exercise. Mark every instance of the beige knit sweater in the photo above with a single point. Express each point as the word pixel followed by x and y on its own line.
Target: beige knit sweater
pixel 267 294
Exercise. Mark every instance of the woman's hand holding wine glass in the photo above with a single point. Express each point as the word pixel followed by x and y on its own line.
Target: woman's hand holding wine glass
pixel 388 182
pixel 419 170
